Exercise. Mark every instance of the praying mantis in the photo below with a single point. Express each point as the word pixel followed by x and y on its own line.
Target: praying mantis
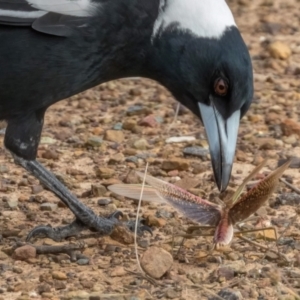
pixel 222 216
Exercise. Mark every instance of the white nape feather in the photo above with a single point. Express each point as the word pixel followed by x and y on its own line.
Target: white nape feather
pixel 21 14
pixel 204 18
pixel 79 8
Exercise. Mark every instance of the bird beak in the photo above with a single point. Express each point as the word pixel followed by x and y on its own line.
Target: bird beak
pixel 222 137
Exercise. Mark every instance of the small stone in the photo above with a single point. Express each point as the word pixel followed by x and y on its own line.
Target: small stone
pixel 171 294
pixel 156 222
pixel 156 262
pixel 180 139
pixel 118 271
pixel 87 284
pixel 43 288
pixel 122 235
pixel 149 121
pixel 76 295
pixel 118 126
pixel 47 140
pixel 279 50
pixel 144 243
pixel 59 275
pixel 129 124
pixel 290 127
pixel 83 261
pixel 104 173
pixel 104 202
pixel 94 141
pixel 226 273
pixel 48 206
pixel 50 154
pixel 98 190
pixel 24 253
pixel 237 266
pixel 228 294
pixel 266 143
pixel 141 144
pixel 59 285
pixel 12 203
pixel 115 159
pixel 175 164
pixel 36 189
pixel 18 270
pixel 3 169
pixel 136 110
pixel 196 151
pixel 116 136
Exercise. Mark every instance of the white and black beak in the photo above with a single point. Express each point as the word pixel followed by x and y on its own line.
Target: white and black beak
pixel 222 137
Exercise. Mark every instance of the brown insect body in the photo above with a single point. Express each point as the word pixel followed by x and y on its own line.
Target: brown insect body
pixel 203 211
pixel 224 231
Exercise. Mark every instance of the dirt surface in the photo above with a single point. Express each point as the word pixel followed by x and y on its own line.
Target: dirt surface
pixel 79 146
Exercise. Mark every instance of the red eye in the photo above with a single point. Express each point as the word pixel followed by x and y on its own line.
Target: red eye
pixel 221 87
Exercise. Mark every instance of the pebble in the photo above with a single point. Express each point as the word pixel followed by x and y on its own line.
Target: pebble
pixel 180 139
pixel 237 266
pixel 104 201
pixel 228 294
pixel 226 272
pixel 136 110
pixel 83 261
pixel 48 206
pixel 36 189
pixel 44 288
pixel 94 141
pixel 175 164
pixel 141 144
pixel 59 285
pixel 116 136
pixel 156 262
pixel 47 140
pixel 156 222
pixel 279 50
pixel 12 203
pixel 98 190
pixel 50 154
pixel 104 173
pixel 4 169
pixel 171 294
pixel 144 243
pixel 59 275
pixel 149 121
pixel 129 124
pixel 118 271
pixel 290 127
pixel 118 126
pixel 115 159
pixel 132 159
pixel 76 295
pixel 24 253
pixel 196 151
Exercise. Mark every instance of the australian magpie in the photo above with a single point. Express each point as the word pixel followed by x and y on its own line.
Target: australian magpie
pixel 53 49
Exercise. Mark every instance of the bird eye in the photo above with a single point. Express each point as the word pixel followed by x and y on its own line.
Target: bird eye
pixel 221 87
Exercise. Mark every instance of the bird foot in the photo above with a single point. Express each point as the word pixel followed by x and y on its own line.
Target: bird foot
pixel 62 232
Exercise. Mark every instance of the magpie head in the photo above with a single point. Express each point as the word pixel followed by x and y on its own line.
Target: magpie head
pixel 207 66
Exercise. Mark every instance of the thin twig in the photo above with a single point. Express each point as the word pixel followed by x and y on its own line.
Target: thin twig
pixel 137 221
pixel 263 247
pixel 175 118
pixel 295 189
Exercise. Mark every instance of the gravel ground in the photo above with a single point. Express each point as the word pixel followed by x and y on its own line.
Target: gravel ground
pixel 102 135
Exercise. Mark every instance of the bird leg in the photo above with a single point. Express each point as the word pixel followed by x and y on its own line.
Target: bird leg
pixel 85 217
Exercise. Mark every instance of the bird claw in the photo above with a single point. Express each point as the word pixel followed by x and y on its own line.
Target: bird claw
pixel 115 215
pixel 141 228
pixel 60 233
